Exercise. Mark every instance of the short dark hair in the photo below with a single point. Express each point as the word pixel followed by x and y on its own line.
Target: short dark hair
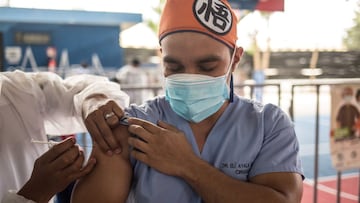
pixel 135 62
pixel 357 96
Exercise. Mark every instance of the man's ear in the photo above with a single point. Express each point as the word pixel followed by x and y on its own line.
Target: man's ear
pixel 238 53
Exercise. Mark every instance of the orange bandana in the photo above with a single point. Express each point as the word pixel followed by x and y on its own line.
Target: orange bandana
pixel 214 18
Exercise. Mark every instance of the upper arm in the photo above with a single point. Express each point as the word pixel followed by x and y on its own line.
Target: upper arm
pixel 111 177
pixel 287 184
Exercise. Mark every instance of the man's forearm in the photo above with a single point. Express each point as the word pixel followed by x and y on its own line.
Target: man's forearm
pixel 214 186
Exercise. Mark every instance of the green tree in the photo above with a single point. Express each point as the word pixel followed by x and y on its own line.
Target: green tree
pixel 154 25
pixel 352 39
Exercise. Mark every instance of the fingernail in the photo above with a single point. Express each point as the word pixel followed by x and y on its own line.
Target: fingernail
pixel 73 139
pixel 109 153
pixel 117 151
pixel 93 160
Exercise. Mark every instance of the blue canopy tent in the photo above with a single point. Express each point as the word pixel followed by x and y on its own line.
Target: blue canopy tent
pixel 84 35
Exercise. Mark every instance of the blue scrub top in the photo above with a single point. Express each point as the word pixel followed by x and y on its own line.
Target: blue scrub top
pixel 248 139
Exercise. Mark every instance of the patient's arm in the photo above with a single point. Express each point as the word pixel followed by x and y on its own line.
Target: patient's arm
pixel 110 179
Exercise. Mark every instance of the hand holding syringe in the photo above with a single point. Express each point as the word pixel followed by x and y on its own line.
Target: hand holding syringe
pixel 122 121
pixel 55 169
pixel 52 143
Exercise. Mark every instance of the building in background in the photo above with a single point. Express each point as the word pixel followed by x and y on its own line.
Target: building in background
pixel 76 35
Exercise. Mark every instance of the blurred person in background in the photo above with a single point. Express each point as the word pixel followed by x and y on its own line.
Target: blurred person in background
pixel 357 97
pixel 199 142
pixel 357 124
pixel 34 105
pixel 132 75
pixel 84 68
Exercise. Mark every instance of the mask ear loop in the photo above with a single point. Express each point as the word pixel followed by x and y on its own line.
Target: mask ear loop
pixel 231 89
pixel 231 77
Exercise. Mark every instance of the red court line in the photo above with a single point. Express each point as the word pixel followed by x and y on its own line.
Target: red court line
pixel 326 192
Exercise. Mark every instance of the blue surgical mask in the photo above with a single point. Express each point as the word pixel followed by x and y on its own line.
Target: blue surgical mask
pixel 195 97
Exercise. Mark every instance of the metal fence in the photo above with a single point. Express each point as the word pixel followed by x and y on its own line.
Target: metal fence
pixel 286 94
pixel 320 87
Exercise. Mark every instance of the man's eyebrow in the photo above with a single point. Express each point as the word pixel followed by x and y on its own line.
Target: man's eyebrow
pixel 205 59
pixel 170 59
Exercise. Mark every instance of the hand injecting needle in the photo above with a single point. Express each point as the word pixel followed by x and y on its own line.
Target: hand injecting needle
pixel 52 143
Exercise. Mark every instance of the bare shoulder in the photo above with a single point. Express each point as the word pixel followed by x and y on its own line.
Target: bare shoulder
pixel 111 177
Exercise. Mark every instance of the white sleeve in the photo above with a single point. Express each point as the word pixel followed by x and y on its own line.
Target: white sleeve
pixel 59 101
pixel 121 73
pixel 12 197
